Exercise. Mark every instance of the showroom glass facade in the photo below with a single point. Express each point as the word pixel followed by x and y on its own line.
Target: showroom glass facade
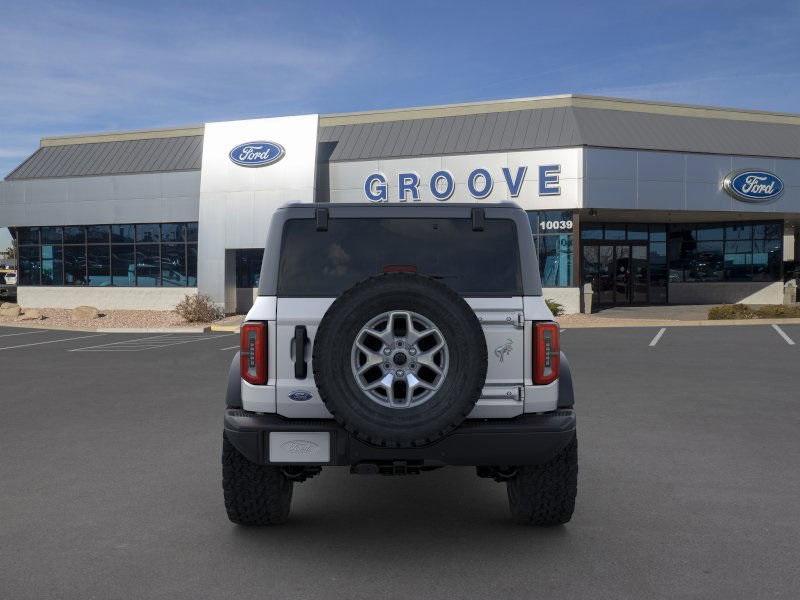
pixel 634 263
pixel 553 233
pixel 726 252
pixel 130 255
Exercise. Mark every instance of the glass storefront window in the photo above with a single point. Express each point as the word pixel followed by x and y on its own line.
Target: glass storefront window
pixel 51 235
pixel 148 265
pixel 98 260
pixel 173 265
pixel 745 251
pixel 52 265
pixel 658 233
pixel 191 270
pixel 553 232
pixel 109 255
pixel 27 235
pixel 75 265
pixel 555 260
pixel 74 235
pixel 148 233
pixel 591 231
pixel 97 234
pixel 638 232
pixel 739 231
pixel 29 264
pixel 122 234
pixel 614 231
pixel 123 265
pixel 173 232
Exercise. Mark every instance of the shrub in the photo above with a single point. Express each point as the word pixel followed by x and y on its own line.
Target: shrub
pixel 556 308
pixel 779 311
pixel 731 311
pixel 198 308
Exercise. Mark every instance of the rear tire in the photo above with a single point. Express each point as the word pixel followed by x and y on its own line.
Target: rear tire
pixel 544 495
pixel 254 494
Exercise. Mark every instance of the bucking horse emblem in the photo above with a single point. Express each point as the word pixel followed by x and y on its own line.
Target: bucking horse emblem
pixel 502 351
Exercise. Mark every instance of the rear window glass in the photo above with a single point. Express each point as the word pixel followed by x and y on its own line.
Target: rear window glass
pixel 326 263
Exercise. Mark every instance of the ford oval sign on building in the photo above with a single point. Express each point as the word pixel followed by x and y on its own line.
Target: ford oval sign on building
pixel 751 185
pixel 257 154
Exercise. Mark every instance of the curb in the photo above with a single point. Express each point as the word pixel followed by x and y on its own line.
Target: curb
pixel 38 325
pixel 226 328
pixel 609 323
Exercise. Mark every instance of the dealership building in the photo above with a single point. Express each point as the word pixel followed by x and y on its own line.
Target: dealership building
pixel 650 203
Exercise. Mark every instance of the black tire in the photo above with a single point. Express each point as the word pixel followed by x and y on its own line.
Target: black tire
pixel 254 494
pixel 451 403
pixel 544 495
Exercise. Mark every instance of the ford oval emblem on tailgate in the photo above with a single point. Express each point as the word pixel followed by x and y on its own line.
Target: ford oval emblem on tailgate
pixel 257 154
pixel 300 395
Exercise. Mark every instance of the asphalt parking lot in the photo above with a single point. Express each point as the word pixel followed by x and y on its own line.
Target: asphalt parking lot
pixel 688 486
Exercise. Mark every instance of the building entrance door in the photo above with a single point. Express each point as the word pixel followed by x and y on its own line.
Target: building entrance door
pixel 618 272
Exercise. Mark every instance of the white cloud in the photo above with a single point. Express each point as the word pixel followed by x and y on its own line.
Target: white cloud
pixel 70 68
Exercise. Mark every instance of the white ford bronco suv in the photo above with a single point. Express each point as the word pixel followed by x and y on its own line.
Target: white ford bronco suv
pixel 397 339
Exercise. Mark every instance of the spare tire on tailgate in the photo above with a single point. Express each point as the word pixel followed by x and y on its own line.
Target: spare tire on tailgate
pixel 400 360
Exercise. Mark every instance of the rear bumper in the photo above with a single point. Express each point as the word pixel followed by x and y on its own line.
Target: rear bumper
pixel 524 440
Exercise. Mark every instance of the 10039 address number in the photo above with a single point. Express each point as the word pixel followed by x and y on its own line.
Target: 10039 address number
pixel 556 225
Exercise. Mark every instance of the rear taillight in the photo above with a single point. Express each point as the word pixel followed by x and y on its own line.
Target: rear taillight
pixel 546 353
pixel 253 357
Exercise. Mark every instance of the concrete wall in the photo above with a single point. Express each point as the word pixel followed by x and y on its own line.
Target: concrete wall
pixel 726 292
pixel 570 298
pixel 108 298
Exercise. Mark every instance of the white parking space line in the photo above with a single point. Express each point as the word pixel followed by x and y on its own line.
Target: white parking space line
pixel 151 337
pixel 147 343
pixel 657 337
pixel 782 333
pixel 82 337
pixel 24 333
pixel 231 347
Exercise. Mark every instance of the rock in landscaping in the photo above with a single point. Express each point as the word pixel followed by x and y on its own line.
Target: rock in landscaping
pixel 8 304
pixel 11 311
pixel 84 313
pixel 30 315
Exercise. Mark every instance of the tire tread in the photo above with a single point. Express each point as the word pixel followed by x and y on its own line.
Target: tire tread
pixel 544 495
pixel 254 494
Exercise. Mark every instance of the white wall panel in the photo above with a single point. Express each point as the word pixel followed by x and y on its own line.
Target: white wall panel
pixel 229 192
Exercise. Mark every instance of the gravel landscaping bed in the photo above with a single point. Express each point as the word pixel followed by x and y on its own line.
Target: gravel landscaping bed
pixel 57 318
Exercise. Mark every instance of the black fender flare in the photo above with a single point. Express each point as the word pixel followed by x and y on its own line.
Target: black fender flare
pixel 566 393
pixel 233 394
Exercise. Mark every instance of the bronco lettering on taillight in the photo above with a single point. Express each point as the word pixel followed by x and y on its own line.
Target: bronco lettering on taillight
pixel 546 353
pixel 253 353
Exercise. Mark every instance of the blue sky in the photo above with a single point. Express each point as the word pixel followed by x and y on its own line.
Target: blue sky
pixel 74 67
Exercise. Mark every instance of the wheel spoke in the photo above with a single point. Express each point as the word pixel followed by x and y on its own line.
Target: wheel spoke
pixel 384 336
pixel 414 336
pixel 414 382
pixel 427 359
pixel 372 360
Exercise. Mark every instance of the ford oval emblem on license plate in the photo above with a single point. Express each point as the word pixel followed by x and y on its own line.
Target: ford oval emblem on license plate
pixel 751 185
pixel 300 395
pixel 257 154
